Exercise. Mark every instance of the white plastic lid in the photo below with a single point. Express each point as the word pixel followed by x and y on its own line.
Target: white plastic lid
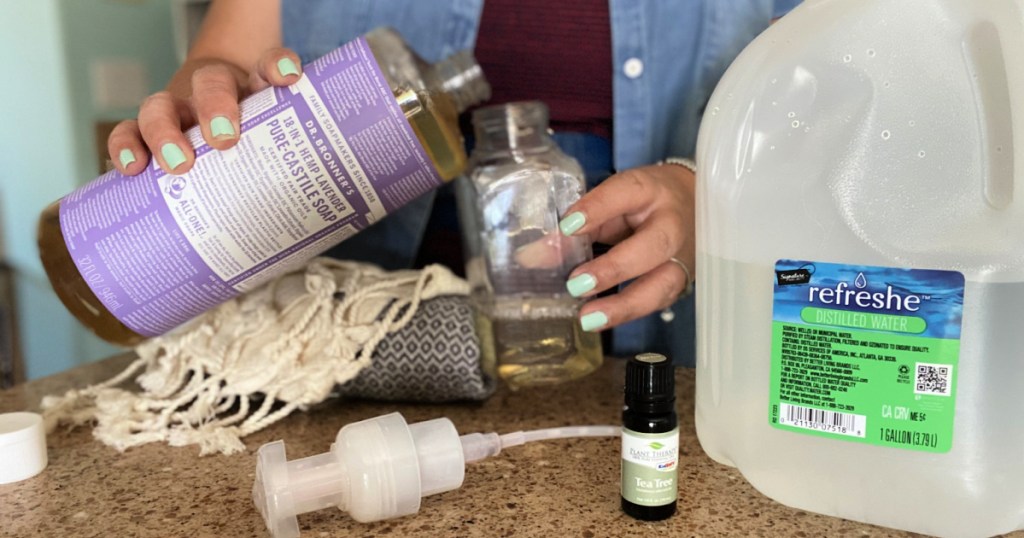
pixel 22 446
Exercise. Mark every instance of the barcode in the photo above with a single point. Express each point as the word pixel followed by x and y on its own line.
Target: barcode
pixel 821 420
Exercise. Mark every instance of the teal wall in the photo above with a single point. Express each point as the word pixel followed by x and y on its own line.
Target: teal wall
pixel 47 147
pixel 140 30
pixel 37 139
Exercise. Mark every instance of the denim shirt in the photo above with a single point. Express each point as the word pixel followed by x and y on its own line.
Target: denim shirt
pixel 668 55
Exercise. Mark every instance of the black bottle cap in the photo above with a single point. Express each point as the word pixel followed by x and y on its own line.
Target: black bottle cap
pixel 650 377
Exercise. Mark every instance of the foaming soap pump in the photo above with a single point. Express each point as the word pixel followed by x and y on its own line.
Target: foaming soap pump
pixel 380 468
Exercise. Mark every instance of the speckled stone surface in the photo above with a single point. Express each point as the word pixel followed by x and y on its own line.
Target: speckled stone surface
pixel 566 488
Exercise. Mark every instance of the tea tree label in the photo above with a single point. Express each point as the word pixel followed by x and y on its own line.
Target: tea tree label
pixel 866 354
pixel 650 467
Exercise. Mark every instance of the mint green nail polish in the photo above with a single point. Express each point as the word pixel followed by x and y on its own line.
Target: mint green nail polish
pixel 126 157
pixel 593 321
pixel 286 67
pixel 570 224
pixel 222 127
pixel 580 284
pixel 173 155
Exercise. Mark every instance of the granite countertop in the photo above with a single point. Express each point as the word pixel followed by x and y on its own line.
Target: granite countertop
pixel 552 488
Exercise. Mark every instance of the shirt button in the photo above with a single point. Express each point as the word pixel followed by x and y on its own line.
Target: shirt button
pixel 633 68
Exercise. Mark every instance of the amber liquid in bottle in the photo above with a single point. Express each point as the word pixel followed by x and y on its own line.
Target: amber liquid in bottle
pixel 530 349
pixel 432 116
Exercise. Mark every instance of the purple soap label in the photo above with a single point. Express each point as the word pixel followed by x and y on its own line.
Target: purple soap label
pixel 316 162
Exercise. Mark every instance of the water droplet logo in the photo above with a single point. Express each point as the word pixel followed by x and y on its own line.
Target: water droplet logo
pixel 861 282
pixel 176 187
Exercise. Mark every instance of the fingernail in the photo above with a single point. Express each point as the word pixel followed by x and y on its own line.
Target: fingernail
pixel 221 127
pixel 173 155
pixel 593 321
pixel 580 284
pixel 570 224
pixel 126 157
pixel 286 67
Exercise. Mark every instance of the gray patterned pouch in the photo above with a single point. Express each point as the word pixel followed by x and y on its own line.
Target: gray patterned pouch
pixel 435 358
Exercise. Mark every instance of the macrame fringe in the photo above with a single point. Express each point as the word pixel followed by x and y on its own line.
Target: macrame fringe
pixel 255 359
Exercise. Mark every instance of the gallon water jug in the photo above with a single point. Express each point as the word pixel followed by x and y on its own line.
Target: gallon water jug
pixel 861 264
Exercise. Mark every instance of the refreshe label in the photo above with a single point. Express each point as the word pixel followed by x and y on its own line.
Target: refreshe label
pixel 315 163
pixel 866 354
pixel 650 467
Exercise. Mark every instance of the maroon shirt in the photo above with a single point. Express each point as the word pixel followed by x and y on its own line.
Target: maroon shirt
pixel 515 45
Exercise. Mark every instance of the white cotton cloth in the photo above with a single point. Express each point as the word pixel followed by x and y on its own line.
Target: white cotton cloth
pixel 254 359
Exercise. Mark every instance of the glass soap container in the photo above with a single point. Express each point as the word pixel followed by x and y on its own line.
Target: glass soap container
pixel 518 186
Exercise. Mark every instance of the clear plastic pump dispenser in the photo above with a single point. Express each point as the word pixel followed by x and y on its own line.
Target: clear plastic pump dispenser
pixel 376 469
pixel 380 468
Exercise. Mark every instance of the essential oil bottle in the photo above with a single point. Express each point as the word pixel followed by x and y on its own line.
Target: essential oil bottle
pixel 650 439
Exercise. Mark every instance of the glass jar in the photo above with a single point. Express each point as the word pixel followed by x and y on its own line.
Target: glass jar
pixel 518 186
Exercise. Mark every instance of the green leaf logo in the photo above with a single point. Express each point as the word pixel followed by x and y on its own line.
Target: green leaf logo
pixel 656 445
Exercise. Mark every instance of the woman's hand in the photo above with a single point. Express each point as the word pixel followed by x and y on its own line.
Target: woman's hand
pixel 648 214
pixel 236 35
pixel 210 100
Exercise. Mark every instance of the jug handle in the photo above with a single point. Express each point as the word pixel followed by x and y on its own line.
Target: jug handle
pixel 983 49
